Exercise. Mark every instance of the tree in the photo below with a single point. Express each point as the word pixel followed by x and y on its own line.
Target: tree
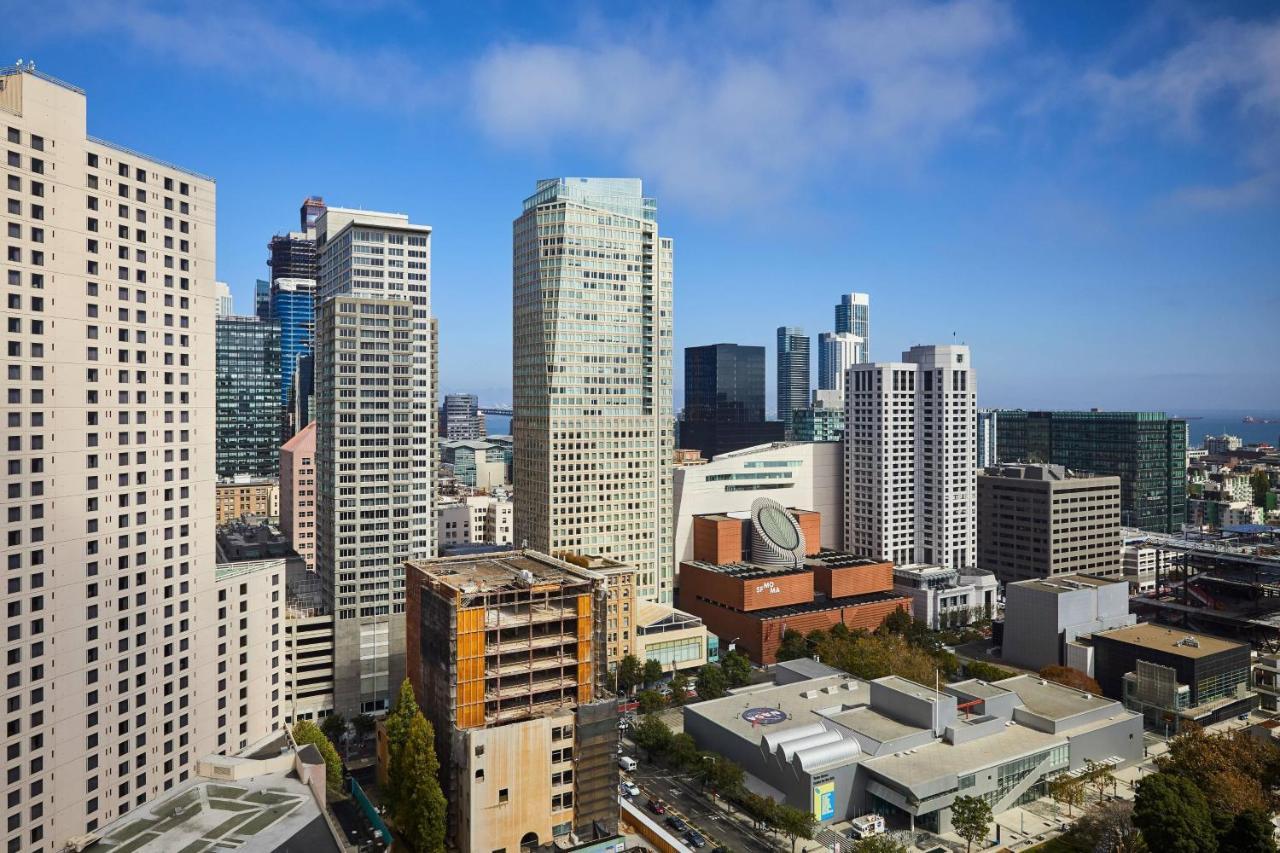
pixel 721 775
pixel 712 683
pixel 364 726
pixel 1261 483
pixel 682 752
pixel 879 844
pixel 1100 777
pixel 1067 790
pixel 1173 815
pixel 334 727
pixel 794 823
pixel 1109 827
pixel 652 672
pixel 652 735
pixel 679 688
pixel 897 622
pixel 306 732
pixel 793 646
pixel 397 725
pixel 630 673
pixel 1069 677
pixel 1250 832
pixel 737 669
pixel 971 818
pixel 984 671
pixel 421 813
pixel 651 701
pixel 1233 770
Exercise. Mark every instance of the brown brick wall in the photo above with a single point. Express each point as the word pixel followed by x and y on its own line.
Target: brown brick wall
pixel 744 594
pixel 717 540
pixel 811 525
pixel 853 580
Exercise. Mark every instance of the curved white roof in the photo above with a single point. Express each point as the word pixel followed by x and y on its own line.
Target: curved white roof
pixel 814 758
pixel 770 741
pixel 791 747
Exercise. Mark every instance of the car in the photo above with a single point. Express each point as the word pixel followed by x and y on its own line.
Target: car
pixel 657 806
pixel 1244 716
pixel 664 692
pixel 693 839
pixel 630 789
pixel 676 823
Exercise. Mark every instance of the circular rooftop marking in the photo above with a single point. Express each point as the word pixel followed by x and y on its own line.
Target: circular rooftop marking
pixel 779 527
pixel 763 716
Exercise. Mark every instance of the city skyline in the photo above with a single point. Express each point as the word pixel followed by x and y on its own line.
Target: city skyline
pixel 1001 207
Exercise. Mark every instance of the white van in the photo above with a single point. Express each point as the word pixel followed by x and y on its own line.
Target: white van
pixel 627 763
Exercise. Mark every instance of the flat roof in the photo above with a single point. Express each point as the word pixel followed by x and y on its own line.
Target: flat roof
pixel 875 725
pixel 1066 583
pixel 938 759
pixel 1174 641
pixel 978 689
pixel 1051 700
pixel 499 570
pixel 795 705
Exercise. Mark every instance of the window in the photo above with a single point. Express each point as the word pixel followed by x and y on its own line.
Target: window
pixel 503 795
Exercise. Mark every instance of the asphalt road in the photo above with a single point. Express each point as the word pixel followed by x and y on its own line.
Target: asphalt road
pixel 714 825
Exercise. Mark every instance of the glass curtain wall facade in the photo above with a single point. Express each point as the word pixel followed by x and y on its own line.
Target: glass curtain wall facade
pixel 1146 450
pixel 293 306
pixel 724 400
pixel 793 371
pixel 248 397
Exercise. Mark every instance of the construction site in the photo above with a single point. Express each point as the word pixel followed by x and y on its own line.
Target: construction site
pixel 507 655
pixel 1225 583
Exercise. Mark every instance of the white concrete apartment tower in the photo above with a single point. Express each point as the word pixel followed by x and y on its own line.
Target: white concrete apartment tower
pixel 375 430
pixel 910 456
pixel 110 633
pixel 594 444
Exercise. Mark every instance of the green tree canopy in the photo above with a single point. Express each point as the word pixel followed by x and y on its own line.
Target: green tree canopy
pixel 971 819
pixel 334 727
pixel 879 844
pixel 712 683
pixel 630 673
pixel 1071 678
pixel 306 732
pixel 1233 770
pixel 1250 832
pixel 1173 815
pixel 421 814
pixel 682 751
pixel 794 823
pixel 679 688
pixel 737 669
pixel 1261 483
pixel 793 646
pixel 397 724
pixel 364 725
pixel 652 735
pixel 651 701
pixel 652 672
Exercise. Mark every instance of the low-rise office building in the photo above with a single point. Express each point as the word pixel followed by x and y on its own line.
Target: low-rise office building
pixel 1044 618
pixel 1174 677
pixel 474 519
pixel 1038 521
pixel 753 578
pixel 841 747
pixel 479 464
pixel 942 597
pixel 243 495
pixel 675 639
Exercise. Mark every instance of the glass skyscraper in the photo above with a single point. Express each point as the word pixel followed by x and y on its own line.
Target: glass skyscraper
pixel 793 371
pixel 724 400
pixel 1146 450
pixel 248 397
pixel 293 306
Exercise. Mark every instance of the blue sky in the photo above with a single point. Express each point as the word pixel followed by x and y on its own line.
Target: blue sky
pixel 1087 194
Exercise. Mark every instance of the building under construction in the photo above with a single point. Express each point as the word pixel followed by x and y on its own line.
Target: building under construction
pixel 1225 583
pixel 507 656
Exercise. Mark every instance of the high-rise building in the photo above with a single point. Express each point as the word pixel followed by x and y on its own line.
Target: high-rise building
pixel 1041 521
pixel 222 299
pixel 293 302
pixel 793 371
pixel 375 431
pixel 988 437
pixel 853 315
pixel 294 255
pixel 262 299
pixel 298 493
pixel 837 351
pixel 248 401
pixel 724 400
pixel 1146 450
pixel 111 586
pixel 303 390
pixel 508 659
pixel 910 475
pixel 592 376
pixel 461 418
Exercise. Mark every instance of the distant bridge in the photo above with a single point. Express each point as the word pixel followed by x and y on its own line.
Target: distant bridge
pixel 501 411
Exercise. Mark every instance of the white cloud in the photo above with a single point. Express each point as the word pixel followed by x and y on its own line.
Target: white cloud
pixel 1220 86
pixel 745 100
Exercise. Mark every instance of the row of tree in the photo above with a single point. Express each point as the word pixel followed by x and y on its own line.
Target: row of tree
pixel 720 778
pixel 712 681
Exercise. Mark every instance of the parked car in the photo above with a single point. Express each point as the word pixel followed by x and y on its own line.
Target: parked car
pixel 627 763
pixel 676 823
pixel 630 788
pixel 693 839
pixel 657 806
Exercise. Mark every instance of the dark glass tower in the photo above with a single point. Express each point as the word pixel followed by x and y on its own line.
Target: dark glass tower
pixel 293 307
pixel 724 400
pixel 1146 450
pixel 248 397
pixel 793 371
